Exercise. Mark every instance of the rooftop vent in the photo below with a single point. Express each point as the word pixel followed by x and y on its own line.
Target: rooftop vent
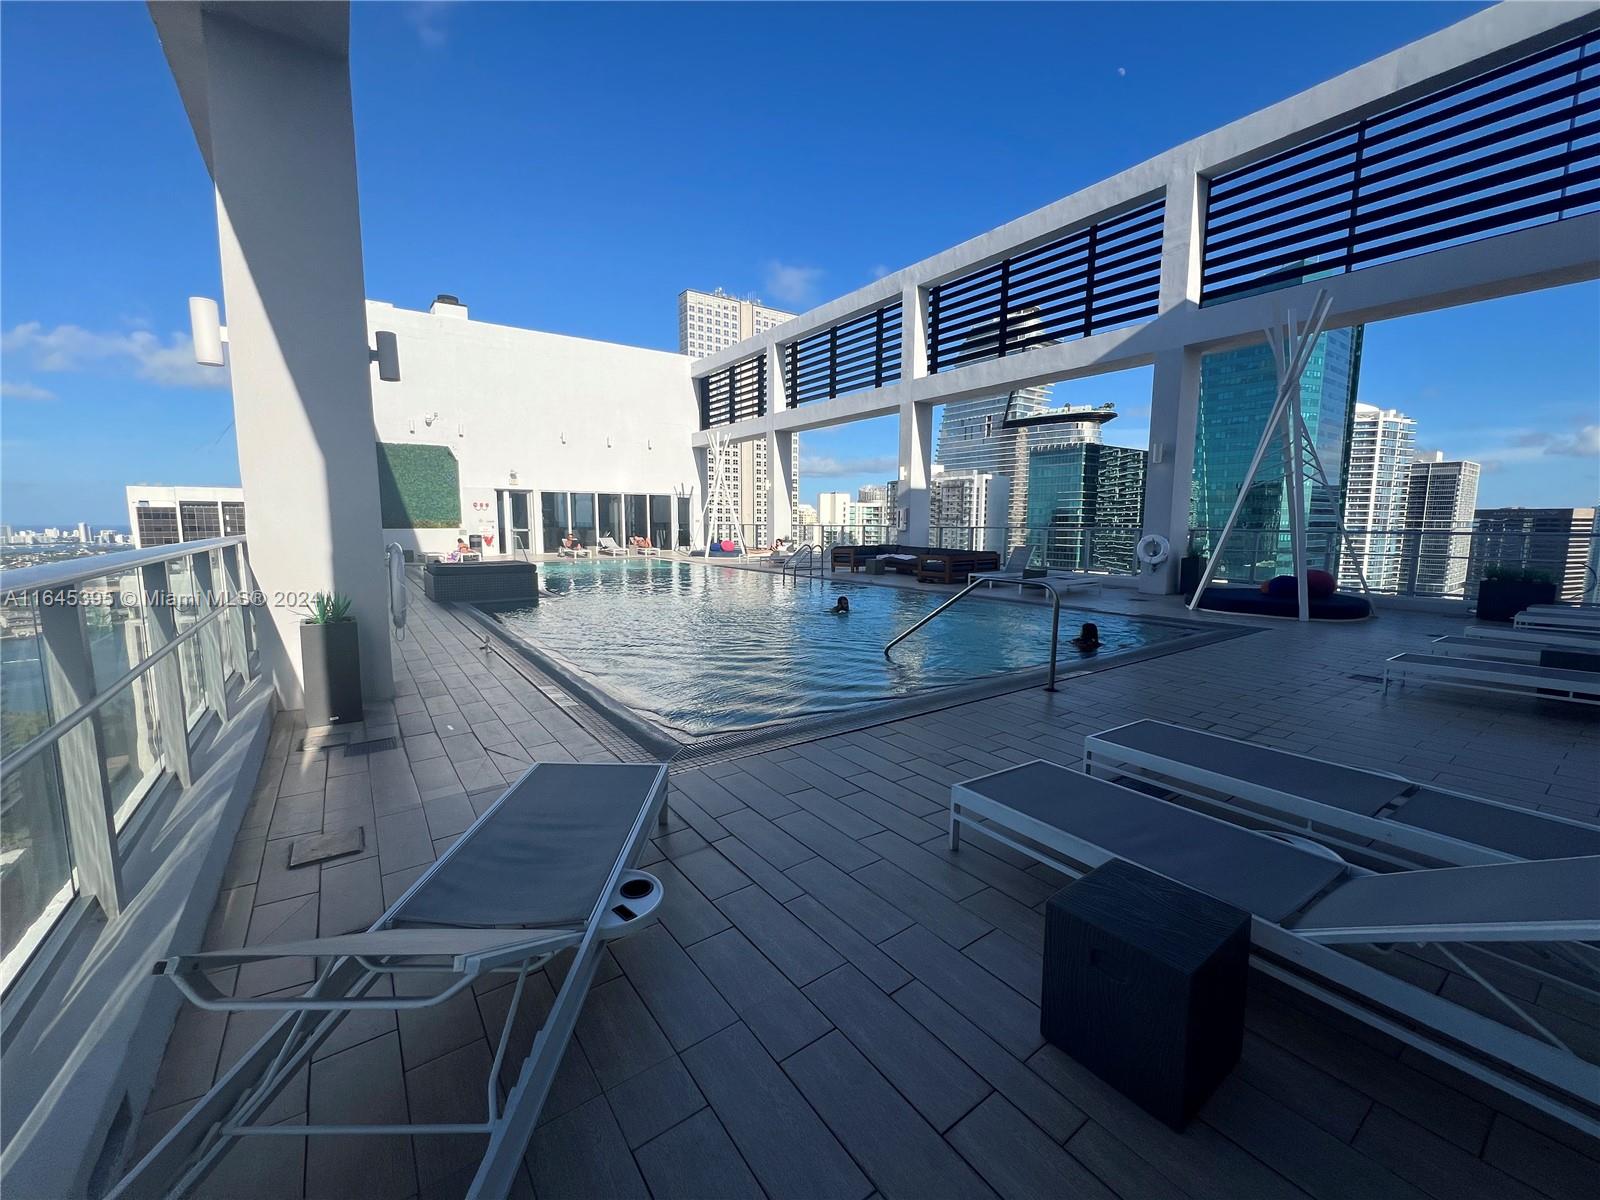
pixel 446 305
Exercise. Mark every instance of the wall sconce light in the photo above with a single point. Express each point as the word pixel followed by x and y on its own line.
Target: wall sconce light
pixel 563 439
pixel 387 356
pixel 461 429
pixel 411 425
pixel 205 324
pixel 649 444
pixel 210 334
pixel 608 441
pixel 429 418
pixel 513 477
pixel 1158 453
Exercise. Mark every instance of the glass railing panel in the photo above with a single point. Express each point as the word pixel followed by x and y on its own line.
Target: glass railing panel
pixel 181 584
pixel 129 746
pixel 113 622
pixel 36 880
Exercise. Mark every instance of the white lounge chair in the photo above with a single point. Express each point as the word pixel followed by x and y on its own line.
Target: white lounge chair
pixel 1570 638
pixel 641 545
pixel 547 868
pixel 608 545
pixel 1408 824
pixel 1523 650
pixel 566 551
pixel 1305 902
pixel 1559 616
pixel 1516 679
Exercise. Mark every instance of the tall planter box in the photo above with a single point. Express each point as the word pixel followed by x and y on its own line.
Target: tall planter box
pixel 1503 599
pixel 330 655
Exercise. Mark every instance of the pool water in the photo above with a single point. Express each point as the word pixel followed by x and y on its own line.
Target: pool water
pixel 708 649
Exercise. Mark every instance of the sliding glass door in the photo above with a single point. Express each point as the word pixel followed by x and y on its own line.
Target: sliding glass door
pixel 683 523
pixel 611 518
pixel 638 517
pixel 583 517
pixel 661 522
pixel 553 516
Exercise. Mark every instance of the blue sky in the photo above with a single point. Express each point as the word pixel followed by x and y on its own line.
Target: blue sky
pixel 572 168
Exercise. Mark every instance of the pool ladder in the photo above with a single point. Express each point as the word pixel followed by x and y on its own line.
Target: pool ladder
pixel 806 556
pixel 1042 584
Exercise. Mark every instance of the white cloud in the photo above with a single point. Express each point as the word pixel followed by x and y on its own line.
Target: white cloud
pixel 825 464
pixel 430 20
pixel 1122 72
pixel 791 284
pixel 1585 443
pixel 20 389
pixel 73 348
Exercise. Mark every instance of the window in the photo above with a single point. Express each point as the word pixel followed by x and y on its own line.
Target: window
pixel 553 519
pixel 158 526
pixel 199 519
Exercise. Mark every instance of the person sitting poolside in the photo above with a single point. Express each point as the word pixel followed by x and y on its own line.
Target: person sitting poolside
pixel 571 543
pixel 1088 639
pixel 841 607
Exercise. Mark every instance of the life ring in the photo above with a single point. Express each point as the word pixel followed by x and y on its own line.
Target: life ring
pixel 1153 549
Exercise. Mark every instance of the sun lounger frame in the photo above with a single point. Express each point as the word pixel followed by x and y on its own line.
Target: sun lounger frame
pixel 194 1146
pixel 1476 675
pixel 1568 617
pixel 1513 1062
pixel 1239 796
pixel 1567 639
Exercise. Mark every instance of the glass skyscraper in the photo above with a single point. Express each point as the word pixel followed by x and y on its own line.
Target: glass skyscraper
pixel 1237 390
pixel 1086 503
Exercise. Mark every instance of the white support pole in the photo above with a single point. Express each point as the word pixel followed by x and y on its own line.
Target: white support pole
pixel 1297 353
pixel 916 458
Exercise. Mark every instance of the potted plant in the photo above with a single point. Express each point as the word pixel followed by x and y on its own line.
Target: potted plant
pixel 1506 591
pixel 330 653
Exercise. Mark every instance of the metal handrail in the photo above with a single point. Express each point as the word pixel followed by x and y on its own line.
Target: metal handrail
pixel 977 582
pixel 48 737
pixel 47 577
pixel 791 569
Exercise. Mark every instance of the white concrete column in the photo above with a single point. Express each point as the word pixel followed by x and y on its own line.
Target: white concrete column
pixel 697 508
pixel 916 458
pixel 281 147
pixel 780 484
pixel 913 332
pixel 1169 471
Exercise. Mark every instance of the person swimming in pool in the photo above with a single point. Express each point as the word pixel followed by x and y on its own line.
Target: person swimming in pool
pixel 1088 639
pixel 841 607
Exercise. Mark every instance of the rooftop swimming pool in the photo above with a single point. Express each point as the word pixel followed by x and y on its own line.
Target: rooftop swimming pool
pixel 704 649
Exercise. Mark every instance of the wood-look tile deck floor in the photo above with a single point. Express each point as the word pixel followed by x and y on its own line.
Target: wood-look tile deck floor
pixel 833 1005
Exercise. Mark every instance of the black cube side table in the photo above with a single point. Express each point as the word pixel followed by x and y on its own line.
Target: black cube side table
pixel 1144 984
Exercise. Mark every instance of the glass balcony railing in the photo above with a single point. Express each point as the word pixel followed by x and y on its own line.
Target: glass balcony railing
pixel 1095 549
pixel 1445 563
pixel 111 666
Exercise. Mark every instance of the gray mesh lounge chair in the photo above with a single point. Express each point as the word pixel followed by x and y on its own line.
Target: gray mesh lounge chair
pixel 1305 902
pixel 1505 649
pixel 545 869
pixel 1582 618
pixel 1573 639
pixel 1518 679
pixel 1408 824
pixel 1017 562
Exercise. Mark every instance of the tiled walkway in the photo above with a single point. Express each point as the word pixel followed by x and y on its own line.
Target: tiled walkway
pixel 831 1003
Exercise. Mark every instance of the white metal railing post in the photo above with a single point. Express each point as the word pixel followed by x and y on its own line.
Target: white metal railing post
pixel 85 789
pixel 213 666
pixel 161 626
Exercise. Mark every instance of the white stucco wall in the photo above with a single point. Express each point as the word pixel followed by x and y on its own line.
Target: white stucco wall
pixel 563 413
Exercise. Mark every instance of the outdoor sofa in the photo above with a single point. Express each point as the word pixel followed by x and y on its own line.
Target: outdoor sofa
pixel 953 566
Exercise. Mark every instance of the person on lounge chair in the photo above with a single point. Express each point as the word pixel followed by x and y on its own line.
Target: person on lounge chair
pixel 1088 639
pixel 571 543
pixel 841 607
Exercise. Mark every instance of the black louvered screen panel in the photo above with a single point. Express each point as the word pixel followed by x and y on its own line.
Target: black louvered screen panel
pixel 1513 147
pixel 735 393
pixel 863 352
pixel 1096 278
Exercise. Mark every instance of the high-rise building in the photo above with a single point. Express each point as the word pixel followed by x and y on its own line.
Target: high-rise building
pixel 974 437
pixel 969 510
pixel 1086 504
pixel 160 516
pixel 1237 391
pixel 1557 541
pixel 834 508
pixel 1440 499
pixel 713 321
pixel 1383 445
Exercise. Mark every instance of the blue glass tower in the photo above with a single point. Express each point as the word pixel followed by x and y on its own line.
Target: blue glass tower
pixel 1237 390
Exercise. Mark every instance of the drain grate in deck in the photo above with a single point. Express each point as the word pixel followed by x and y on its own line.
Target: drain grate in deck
pixel 371 747
pixel 1368 678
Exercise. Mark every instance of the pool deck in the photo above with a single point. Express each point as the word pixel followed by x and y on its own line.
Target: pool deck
pixel 834 1005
